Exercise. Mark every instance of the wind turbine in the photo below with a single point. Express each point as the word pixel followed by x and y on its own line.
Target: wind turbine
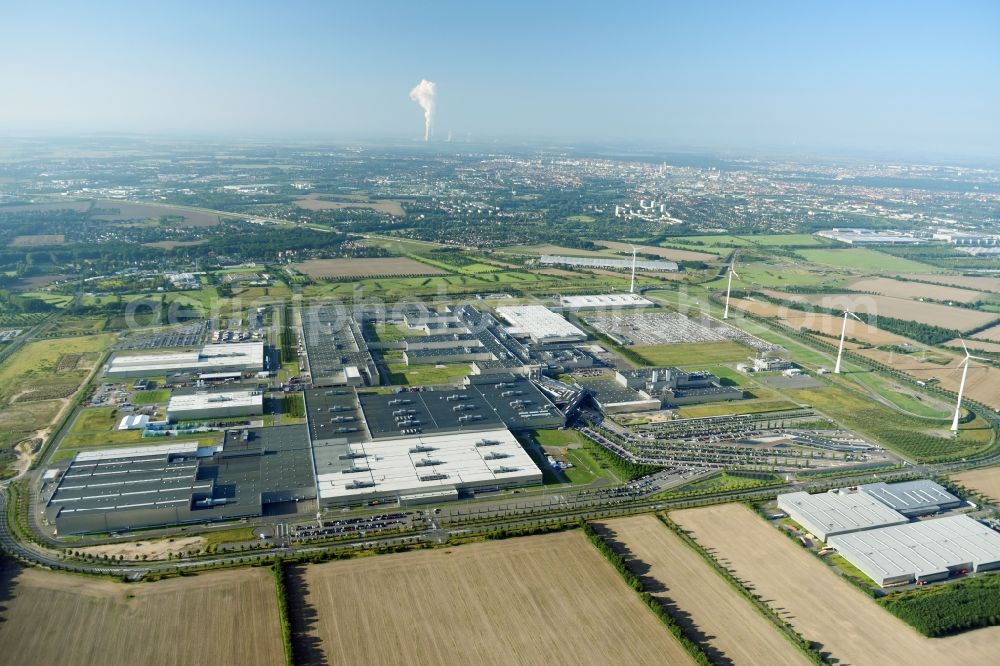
pixel 631 288
pixel 729 287
pixel 961 384
pixel 843 334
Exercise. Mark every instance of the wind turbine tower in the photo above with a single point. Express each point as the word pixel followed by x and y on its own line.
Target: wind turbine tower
pixel 729 288
pixel 961 385
pixel 843 334
pixel 631 288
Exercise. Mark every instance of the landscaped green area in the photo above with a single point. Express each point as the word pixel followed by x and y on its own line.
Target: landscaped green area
pixel 427 375
pixel 154 397
pixel 734 407
pixel 724 482
pixel 575 449
pixel 950 608
pixel 924 441
pixel 693 355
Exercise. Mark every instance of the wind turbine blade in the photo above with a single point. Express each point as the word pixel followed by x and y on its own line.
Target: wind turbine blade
pixel 963 345
pixel 856 316
pixel 978 358
pixel 736 274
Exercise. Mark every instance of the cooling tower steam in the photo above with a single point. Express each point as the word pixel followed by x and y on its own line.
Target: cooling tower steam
pixel 423 94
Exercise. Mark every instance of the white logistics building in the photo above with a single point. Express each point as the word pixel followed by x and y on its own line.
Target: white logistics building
pixel 236 357
pixel 838 512
pixel 605 301
pixel 923 551
pixel 216 404
pixel 428 468
pixel 539 324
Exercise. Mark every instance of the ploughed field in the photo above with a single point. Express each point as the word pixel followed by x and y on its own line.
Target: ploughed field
pixel 823 607
pixel 549 599
pixel 227 618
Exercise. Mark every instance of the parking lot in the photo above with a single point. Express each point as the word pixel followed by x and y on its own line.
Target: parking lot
pixel 188 335
pixel 671 327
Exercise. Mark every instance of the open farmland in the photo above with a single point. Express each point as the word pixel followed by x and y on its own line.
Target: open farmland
pixel 677 575
pixel 983 383
pixel 827 325
pixel 543 600
pixel 220 618
pixel 318 201
pixel 991 334
pixel 125 210
pixel 914 290
pixel 975 343
pixel 667 253
pixel 974 282
pixel 321 269
pixel 864 259
pixel 822 606
pixel 961 319
pixel 984 481
pixel 38 240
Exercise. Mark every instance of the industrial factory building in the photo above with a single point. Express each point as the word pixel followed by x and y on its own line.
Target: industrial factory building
pixel 913 498
pixel 923 551
pixel 539 324
pixel 211 360
pixel 214 405
pixel 838 512
pixel 128 488
pixel 422 468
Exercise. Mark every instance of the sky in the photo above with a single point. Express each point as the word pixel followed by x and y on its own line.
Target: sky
pixel 907 77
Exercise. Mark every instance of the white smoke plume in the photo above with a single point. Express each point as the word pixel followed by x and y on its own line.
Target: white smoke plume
pixel 423 94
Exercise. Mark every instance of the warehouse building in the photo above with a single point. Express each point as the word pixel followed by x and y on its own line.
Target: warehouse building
pixel 838 512
pixel 913 498
pixel 539 324
pixel 212 359
pixel 923 551
pixel 425 468
pixel 214 405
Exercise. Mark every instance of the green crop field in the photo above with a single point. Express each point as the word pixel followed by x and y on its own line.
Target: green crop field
pixel 864 259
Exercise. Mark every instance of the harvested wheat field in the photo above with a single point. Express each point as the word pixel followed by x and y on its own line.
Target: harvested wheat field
pixel 731 626
pixel 319 269
pixel 975 343
pixel 350 201
pixel 37 240
pixel 984 481
pixel 961 319
pixel 223 618
pixel 976 282
pixel 983 383
pixel 824 324
pixel 532 600
pixel 992 334
pixel 822 606
pixel 915 290
pixel 667 253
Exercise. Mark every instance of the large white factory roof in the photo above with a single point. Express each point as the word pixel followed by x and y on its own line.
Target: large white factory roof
pixel 925 549
pixel 605 301
pixel 411 465
pixel 539 323
pixel 211 357
pixel 137 451
pixel 838 512
pixel 209 400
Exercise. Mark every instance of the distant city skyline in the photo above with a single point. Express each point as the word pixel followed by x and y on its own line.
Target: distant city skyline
pixel 895 78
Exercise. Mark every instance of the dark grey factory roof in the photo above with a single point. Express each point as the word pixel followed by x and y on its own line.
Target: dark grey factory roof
pixel 912 496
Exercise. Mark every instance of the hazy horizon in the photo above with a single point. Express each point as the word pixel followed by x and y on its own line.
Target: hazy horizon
pixel 907 79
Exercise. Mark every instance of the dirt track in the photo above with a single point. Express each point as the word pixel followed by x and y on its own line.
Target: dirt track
pixel 819 604
pixel 729 622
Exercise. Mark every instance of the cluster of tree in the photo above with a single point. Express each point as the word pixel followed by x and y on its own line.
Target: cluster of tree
pixel 949 609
